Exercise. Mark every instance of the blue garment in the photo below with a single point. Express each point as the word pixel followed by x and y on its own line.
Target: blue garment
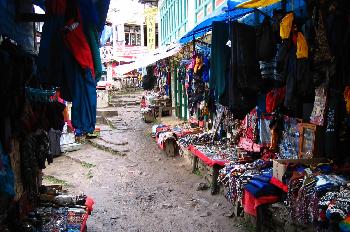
pixel 50 61
pixel 88 12
pixel 82 88
pixel 102 7
pixel 262 178
pixel 260 185
pixel 7 180
pixel 84 102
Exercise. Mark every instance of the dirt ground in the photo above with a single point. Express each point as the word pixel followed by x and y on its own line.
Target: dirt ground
pixel 136 187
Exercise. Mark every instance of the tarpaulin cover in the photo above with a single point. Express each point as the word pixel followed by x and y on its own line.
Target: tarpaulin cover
pixel 205 26
pixel 257 3
pixel 243 15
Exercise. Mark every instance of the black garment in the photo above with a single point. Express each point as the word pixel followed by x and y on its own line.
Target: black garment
pixel 34 151
pixel 219 56
pixel 332 126
pixel 265 44
pixel 244 62
pixel 54 137
pixel 338 31
pixel 17 68
pixel 54 114
pixel 149 80
pixel 243 74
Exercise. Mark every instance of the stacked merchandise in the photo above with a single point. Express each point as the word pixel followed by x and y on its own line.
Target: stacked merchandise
pixel 150 103
pixel 284 79
pixel 58 211
pixel 33 111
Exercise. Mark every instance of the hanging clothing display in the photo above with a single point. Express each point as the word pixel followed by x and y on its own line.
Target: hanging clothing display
pixel 219 54
pixel 242 76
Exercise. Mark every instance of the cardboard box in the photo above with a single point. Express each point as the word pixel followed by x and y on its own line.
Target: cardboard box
pixel 280 165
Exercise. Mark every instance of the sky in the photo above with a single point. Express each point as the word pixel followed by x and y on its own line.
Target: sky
pixel 125 10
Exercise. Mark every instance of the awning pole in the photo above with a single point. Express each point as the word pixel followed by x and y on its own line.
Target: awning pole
pixel 284 5
pixel 194 45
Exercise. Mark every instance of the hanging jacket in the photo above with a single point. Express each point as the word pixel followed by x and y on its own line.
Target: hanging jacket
pixel 75 39
pixel 93 39
pixel 266 47
pixel 219 57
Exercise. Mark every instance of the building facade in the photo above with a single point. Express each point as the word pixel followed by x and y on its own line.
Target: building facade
pixel 177 17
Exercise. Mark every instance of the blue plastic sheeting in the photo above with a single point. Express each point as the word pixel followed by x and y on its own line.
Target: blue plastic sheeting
pixel 40 3
pixel 246 16
pixel 205 26
pixel 106 34
pixel 254 19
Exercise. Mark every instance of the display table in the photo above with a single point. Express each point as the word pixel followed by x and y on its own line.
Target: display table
pixel 215 166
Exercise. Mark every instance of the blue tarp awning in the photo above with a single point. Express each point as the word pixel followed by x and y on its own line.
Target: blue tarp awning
pixel 245 16
pixel 224 15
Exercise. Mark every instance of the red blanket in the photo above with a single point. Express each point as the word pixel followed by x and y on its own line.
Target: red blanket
pixel 250 203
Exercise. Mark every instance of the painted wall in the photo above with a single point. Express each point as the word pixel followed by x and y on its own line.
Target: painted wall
pixel 177 17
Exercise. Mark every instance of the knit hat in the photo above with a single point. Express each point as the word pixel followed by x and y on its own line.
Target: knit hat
pixel 302 48
pixel 286 25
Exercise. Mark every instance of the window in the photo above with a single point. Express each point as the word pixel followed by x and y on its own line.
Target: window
pixel 132 35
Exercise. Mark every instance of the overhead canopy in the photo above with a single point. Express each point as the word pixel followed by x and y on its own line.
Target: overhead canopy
pixel 205 26
pixel 257 3
pixel 149 58
pixel 244 15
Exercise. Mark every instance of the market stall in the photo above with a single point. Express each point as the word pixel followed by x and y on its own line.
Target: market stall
pixel 271 88
pixel 38 83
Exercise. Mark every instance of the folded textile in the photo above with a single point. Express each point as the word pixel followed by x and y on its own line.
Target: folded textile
pixel 251 203
pixel 262 178
pixel 279 184
pixel 259 189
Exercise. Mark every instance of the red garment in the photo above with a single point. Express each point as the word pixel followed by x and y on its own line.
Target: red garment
pixel 89 203
pixel 276 182
pixel 250 203
pixel 77 43
pixel 143 104
pixel 274 98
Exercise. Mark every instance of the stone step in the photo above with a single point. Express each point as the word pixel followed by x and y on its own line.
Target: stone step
pixel 109 147
pixel 117 124
pixel 107 112
pixel 101 120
